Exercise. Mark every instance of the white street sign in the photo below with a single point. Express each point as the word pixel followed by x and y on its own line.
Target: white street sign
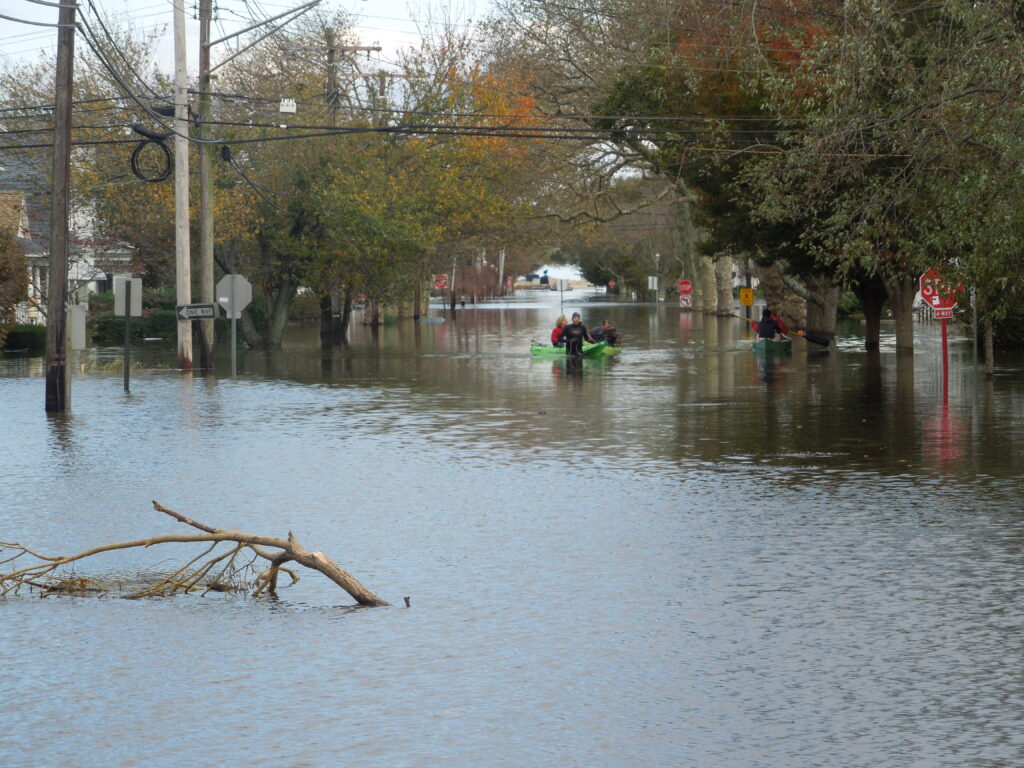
pixel 124 286
pixel 234 293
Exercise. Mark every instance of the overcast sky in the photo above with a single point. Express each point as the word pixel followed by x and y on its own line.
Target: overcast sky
pixel 392 24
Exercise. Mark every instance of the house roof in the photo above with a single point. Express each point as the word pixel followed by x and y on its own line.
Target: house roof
pixel 25 173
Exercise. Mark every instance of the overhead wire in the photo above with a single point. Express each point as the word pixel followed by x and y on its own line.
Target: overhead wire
pixel 117 49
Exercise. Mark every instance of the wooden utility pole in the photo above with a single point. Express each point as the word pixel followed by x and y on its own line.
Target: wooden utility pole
pixel 333 313
pixel 182 251
pixel 58 383
pixel 333 301
pixel 206 337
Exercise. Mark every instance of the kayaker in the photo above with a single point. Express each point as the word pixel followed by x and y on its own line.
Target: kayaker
pixel 783 328
pixel 769 328
pixel 556 334
pixel 574 335
pixel 607 334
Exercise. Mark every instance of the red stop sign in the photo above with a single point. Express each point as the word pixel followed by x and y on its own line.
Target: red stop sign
pixel 937 294
pixel 685 287
pixel 441 281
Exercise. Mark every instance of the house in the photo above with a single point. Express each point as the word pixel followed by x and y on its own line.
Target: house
pixel 25 214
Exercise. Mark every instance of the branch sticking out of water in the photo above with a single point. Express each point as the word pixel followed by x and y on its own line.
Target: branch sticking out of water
pixel 210 570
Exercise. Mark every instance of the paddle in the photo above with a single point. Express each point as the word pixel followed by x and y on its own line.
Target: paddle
pixel 815 339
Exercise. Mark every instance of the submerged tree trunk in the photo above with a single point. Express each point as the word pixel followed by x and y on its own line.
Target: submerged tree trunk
pixel 326 321
pixel 780 296
pixel 346 316
pixel 871 292
pixel 901 301
pixel 990 354
pixel 822 304
pixel 723 286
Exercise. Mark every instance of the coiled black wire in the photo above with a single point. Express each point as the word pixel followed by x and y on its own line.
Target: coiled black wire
pixel 164 173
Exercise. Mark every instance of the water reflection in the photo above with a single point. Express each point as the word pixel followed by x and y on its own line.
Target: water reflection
pixel 63 440
pixel 659 559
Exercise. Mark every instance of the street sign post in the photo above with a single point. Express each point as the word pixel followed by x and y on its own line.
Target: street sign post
pixel 938 294
pixel 197 311
pixel 441 282
pixel 685 287
pixel 685 300
pixel 128 293
pixel 942 298
pixel 747 297
pixel 127 302
pixel 234 293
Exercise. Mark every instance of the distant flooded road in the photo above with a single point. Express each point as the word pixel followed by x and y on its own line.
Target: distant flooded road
pixel 685 555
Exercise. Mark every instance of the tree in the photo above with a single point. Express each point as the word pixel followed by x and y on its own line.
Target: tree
pixel 905 115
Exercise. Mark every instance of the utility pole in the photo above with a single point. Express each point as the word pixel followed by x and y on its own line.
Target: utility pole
pixel 206 262
pixel 182 250
pixel 206 332
pixel 58 383
pixel 331 320
pixel 332 122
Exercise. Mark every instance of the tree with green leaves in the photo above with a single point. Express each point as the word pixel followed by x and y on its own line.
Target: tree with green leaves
pixel 903 135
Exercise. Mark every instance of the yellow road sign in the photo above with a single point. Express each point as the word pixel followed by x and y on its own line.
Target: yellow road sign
pixel 746 296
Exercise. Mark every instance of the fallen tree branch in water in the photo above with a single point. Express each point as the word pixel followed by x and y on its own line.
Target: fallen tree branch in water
pixel 201 572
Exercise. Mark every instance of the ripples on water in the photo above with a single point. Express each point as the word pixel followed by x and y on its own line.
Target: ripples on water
pixel 679 557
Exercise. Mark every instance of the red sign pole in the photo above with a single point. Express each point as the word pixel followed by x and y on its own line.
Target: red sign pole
pixel 945 364
pixel 942 299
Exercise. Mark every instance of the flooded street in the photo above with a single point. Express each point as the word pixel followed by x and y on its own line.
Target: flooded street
pixel 685 555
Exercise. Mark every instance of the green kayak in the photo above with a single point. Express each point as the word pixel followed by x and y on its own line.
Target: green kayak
pixel 589 350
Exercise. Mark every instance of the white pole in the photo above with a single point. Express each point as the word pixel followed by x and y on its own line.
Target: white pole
pixel 183 270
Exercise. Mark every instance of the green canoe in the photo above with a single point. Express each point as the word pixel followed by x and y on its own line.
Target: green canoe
pixel 589 350
pixel 769 347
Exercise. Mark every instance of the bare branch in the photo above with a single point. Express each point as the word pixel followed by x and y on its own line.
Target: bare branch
pixel 44 572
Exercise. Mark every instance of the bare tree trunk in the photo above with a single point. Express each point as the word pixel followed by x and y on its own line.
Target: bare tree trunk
pixel 723 286
pixel 706 289
pixel 326 321
pixel 901 302
pixel 822 304
pixel 871 292
pixel 781 298
pixel 990 353
pixel 346 316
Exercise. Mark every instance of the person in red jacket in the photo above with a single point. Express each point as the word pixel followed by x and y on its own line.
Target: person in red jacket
pixel 556 334
pixel 783 328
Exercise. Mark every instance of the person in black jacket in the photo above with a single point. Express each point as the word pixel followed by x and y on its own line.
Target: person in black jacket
pixel 768 328
pixel 574 335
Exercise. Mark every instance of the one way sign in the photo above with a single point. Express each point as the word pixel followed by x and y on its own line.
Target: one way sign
pixel 197 312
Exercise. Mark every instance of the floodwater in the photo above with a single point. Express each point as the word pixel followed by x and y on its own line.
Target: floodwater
pixel 683 556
